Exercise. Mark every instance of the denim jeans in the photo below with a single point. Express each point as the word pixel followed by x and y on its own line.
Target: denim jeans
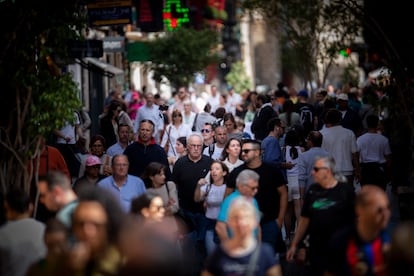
pixel 211 239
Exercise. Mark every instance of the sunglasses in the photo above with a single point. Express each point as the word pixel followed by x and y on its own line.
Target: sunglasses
pixel 246 151
pixel 177 115
pixel 205 130
pixel 316 169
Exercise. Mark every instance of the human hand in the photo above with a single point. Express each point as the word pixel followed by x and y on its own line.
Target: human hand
pixel 202 181
pixel 290 254
pixel 107 170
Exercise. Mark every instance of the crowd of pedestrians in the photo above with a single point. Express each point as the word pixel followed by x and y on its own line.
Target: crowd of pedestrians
pixel 302 188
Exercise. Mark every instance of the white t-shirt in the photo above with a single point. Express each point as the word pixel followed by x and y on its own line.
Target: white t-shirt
pixel 214 199
pixel 373 147
pixel 294 171
pixel 216 153
pixel 69 130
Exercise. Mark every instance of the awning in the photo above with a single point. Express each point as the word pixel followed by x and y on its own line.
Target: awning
pixel 108 69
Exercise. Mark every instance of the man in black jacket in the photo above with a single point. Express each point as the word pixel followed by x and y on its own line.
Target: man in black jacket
pixel 264 113
pixel 145 151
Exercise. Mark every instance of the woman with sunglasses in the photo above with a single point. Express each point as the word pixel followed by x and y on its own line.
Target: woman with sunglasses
pixel 174 130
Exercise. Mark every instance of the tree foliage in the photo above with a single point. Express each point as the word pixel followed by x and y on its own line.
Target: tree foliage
pixel 312 32
pixel 180 54
pixel 238 78
pixel 36 96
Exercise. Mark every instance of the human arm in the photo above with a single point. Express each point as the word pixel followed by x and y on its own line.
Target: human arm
pixel 60 135
pixel 303 177
pixel 172 206
pixel 282 190
pixel 228 191
pixel 221 229
pixel 87 122
pixel 355 163
pixel 300 233
pixel 199 192
pixel 275 270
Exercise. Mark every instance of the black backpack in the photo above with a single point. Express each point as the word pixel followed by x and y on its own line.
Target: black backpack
pixel 306 117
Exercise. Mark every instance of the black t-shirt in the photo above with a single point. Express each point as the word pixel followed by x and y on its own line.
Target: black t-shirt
pixel 267 196
pixel 186 174
pixel 328 211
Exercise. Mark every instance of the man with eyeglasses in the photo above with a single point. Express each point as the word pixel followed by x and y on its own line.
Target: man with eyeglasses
pixel 124 186
pixel 328 207
pixel 271 196
pixel 187 171
pixel 247 183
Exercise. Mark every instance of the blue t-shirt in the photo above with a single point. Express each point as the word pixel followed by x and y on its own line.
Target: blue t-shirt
pixel 223 214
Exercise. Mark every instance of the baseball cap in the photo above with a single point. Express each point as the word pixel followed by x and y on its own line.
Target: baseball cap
pixel 303 93
pixel 342 96
pixel 92 160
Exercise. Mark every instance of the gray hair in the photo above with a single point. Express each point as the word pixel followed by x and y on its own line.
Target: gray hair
pixel 57 178
pixel 244 177
pixel 330 163
pixel 193 134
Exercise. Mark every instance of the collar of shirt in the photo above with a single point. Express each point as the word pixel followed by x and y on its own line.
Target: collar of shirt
pixel 152 142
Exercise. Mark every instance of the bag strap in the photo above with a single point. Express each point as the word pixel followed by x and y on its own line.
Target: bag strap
pixel 169 141
pixel 193 128
pixel 253 261
pixel 168 189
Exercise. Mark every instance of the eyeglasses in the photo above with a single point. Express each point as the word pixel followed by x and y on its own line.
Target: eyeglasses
pixel 120 165
pixel 177 115
pixel 95 167
pixel 316 169
pixel 195 146
pixel 246 151
pixel 253 188
pixel 205 130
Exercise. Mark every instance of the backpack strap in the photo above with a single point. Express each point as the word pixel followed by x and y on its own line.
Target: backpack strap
pixel 211 149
